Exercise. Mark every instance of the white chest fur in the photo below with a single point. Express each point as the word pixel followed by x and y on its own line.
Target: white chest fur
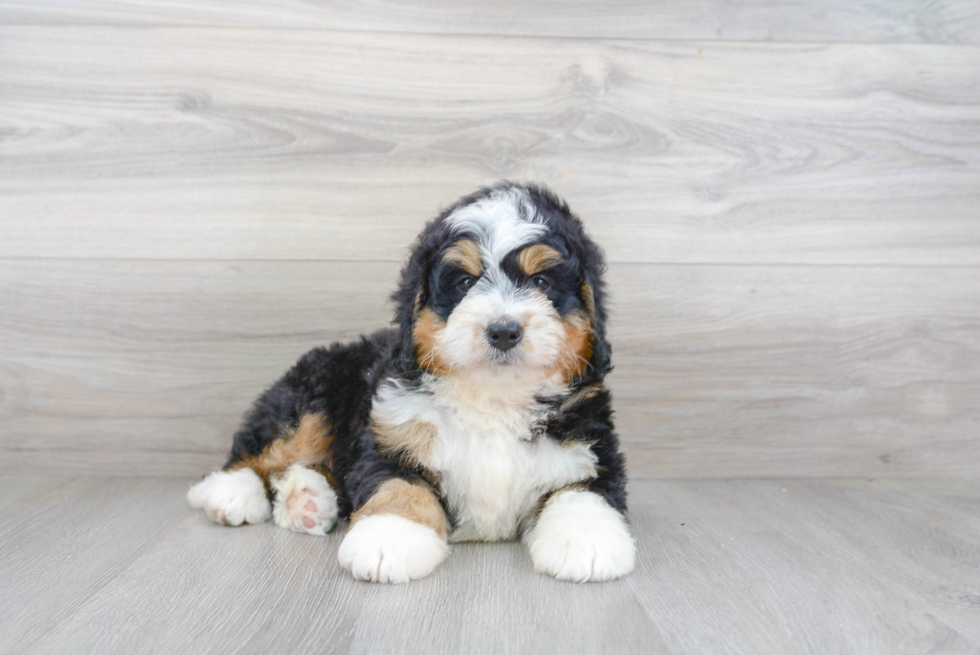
pixel 490 469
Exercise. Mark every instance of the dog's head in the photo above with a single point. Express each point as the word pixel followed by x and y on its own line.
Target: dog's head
pixel 506 285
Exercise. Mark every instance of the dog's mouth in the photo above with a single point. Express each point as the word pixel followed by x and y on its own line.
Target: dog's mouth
pixel 505 359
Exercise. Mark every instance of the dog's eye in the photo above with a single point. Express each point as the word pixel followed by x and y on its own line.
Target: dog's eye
pixel 540 283
pixel 465 283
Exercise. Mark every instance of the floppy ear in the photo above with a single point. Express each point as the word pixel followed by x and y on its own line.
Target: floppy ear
pixel 409 299
pixel 594 297
pixel 413 289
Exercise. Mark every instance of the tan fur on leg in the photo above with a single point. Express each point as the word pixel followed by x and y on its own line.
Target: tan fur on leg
pixel 308 444
pixel 415 502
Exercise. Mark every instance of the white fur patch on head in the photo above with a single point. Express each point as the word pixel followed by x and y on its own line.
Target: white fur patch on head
pixel 579 537
pixel 390 549
pixel 231 497
pixel 304 501
pixel 500 222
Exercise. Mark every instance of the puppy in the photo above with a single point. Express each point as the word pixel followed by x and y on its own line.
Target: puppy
pixel 481 416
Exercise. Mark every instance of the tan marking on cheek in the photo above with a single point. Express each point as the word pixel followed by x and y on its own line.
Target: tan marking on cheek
pixel 418 304
pixel 577 347
pixel 466 254
pixel 308 443
pixel 413 439
pixel 414 502
pixel 537 258
pixel 428 327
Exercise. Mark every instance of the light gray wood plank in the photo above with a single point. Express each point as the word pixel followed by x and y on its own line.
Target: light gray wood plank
pixel 736 371
pixel 13 489
pixel 937 21
pixel 131 363
pixel 238 144
pixel 63 543
pixel 822 567
pixel 798 371
pixel 724 566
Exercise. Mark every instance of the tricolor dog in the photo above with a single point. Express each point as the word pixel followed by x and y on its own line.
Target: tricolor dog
pixel 482 415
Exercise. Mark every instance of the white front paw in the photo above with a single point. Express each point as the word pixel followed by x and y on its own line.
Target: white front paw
pixel 231 497
pixel 304 501
pixel 579 537
pixel 388 548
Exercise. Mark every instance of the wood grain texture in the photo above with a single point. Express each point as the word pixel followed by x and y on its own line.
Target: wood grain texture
pixel 206 143
pixel 747 371
pixel 822 567
pixel 68 539
pixel 934 21
pixel 122 566
pixel 794 227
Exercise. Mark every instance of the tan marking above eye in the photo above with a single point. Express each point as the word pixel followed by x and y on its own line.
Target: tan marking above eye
pixel 466 254
pixel 537 258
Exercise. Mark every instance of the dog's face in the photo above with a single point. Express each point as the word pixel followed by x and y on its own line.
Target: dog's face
pixel 506 286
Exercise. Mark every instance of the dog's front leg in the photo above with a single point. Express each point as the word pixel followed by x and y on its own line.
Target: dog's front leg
pixel 401 533
pixel 578 536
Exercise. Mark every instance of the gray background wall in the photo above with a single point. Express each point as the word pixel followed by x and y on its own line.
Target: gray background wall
pixel 789 197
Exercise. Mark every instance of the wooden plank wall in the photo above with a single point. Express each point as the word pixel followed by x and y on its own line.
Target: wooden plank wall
pixel 192 195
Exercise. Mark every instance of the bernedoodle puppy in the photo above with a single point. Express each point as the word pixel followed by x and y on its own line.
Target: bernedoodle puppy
pixel 481 416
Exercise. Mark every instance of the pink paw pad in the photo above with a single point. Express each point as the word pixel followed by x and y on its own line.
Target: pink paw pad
pixel 309 511
pixel 304 501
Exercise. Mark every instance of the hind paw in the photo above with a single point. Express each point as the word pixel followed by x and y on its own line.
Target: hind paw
pixel 231 497
pixel 304 501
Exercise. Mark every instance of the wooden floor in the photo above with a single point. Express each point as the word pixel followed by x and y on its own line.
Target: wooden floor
pixel 121 565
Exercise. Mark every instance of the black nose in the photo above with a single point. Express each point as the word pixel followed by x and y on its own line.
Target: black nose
pixel 504 336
